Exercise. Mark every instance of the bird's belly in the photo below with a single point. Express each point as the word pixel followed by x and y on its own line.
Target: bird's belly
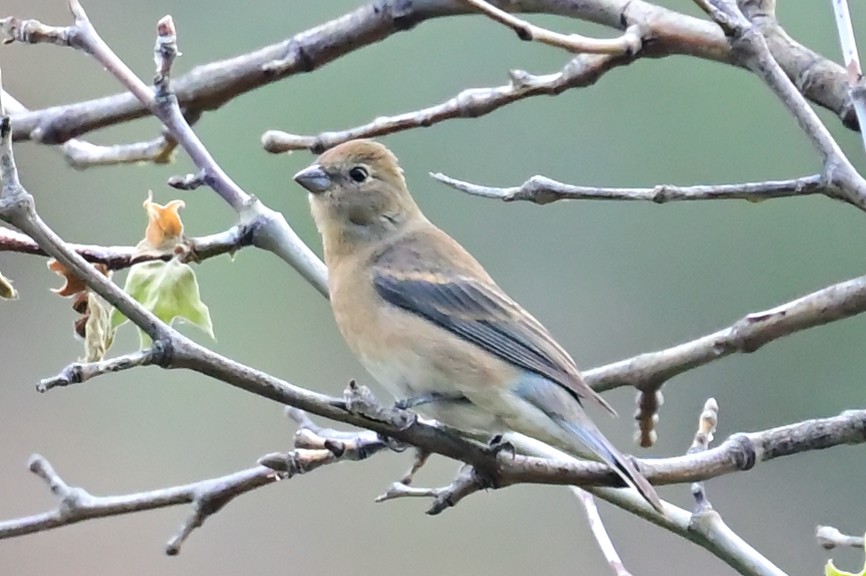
pixel 410 376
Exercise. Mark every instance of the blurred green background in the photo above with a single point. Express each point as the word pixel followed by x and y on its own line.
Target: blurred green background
pixel 609 279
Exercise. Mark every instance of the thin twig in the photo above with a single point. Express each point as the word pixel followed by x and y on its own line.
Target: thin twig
pixel 829 537
pixel 707 424
pixel 740 452
pixel 272 232
pixel 726 545
pixel 543 190
pixel 207 496
pixel 81 154
pixel 76 504
pixel 649 371
pixel 851 60
pixel 466 483
pixel 79 372
pixel 316 446
pixel 209 86
pixel 119 257
pixel 583 70
pixel 750 48
pixel 596 526
pixel 628 43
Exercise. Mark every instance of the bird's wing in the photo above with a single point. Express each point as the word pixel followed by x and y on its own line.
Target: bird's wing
pixel 481 313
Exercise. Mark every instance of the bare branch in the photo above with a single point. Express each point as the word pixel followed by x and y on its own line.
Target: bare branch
pixel 76 504
pixel 195 249
pixel 628 43
pixel 465 484
pixel 851 59
pixel 650 370
pixel 583 70
pixel 316 446
pixel 596 526
pixel 543 190
pixel 272 233
pixel 79 372
pixel 207 496
pixel 83 154
pixel 487 469
pixel 726 545
pixel 750 49
pixel 706 521
pixel 738 453
pixel 209 86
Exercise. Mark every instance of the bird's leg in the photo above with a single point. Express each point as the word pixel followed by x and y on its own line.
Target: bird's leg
pixel 428 398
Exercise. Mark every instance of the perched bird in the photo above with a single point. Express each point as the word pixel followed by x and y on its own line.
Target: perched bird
pixel 428 322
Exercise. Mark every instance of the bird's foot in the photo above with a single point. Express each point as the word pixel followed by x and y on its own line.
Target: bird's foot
pixel 498 444
pixel 359 400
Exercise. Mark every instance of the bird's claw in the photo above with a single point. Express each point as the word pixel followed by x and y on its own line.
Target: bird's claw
pixel 498 444
pixel 392 443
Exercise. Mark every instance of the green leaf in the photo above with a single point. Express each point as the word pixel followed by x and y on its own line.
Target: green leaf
pixel 169 290
pixel 7 291
pixel 831 570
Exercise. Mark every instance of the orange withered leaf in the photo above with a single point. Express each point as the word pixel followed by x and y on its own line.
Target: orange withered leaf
pixel 72 284
pixel 164 226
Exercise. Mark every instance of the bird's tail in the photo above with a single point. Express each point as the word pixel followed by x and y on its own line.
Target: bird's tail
pixel 593 439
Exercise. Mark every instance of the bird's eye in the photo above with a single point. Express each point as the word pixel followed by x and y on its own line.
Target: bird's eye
pixel 358 174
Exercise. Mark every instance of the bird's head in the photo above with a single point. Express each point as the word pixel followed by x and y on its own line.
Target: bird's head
pixel 358 193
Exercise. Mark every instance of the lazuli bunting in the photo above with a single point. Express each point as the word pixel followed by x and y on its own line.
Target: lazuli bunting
pixel 428 322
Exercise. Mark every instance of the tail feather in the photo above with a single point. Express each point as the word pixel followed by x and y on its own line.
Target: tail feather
pixel 593 439
pixel 572 427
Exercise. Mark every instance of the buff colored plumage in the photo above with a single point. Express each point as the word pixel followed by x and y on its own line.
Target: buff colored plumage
pixel 428 322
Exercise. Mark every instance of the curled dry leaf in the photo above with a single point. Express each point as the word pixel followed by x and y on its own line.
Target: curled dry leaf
pixel 72 284
pixel 94 324
pixel 7 291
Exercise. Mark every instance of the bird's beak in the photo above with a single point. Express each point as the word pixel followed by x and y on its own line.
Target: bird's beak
pixel 314 178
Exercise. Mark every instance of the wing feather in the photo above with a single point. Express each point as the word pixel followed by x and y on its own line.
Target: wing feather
pixel 481 313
